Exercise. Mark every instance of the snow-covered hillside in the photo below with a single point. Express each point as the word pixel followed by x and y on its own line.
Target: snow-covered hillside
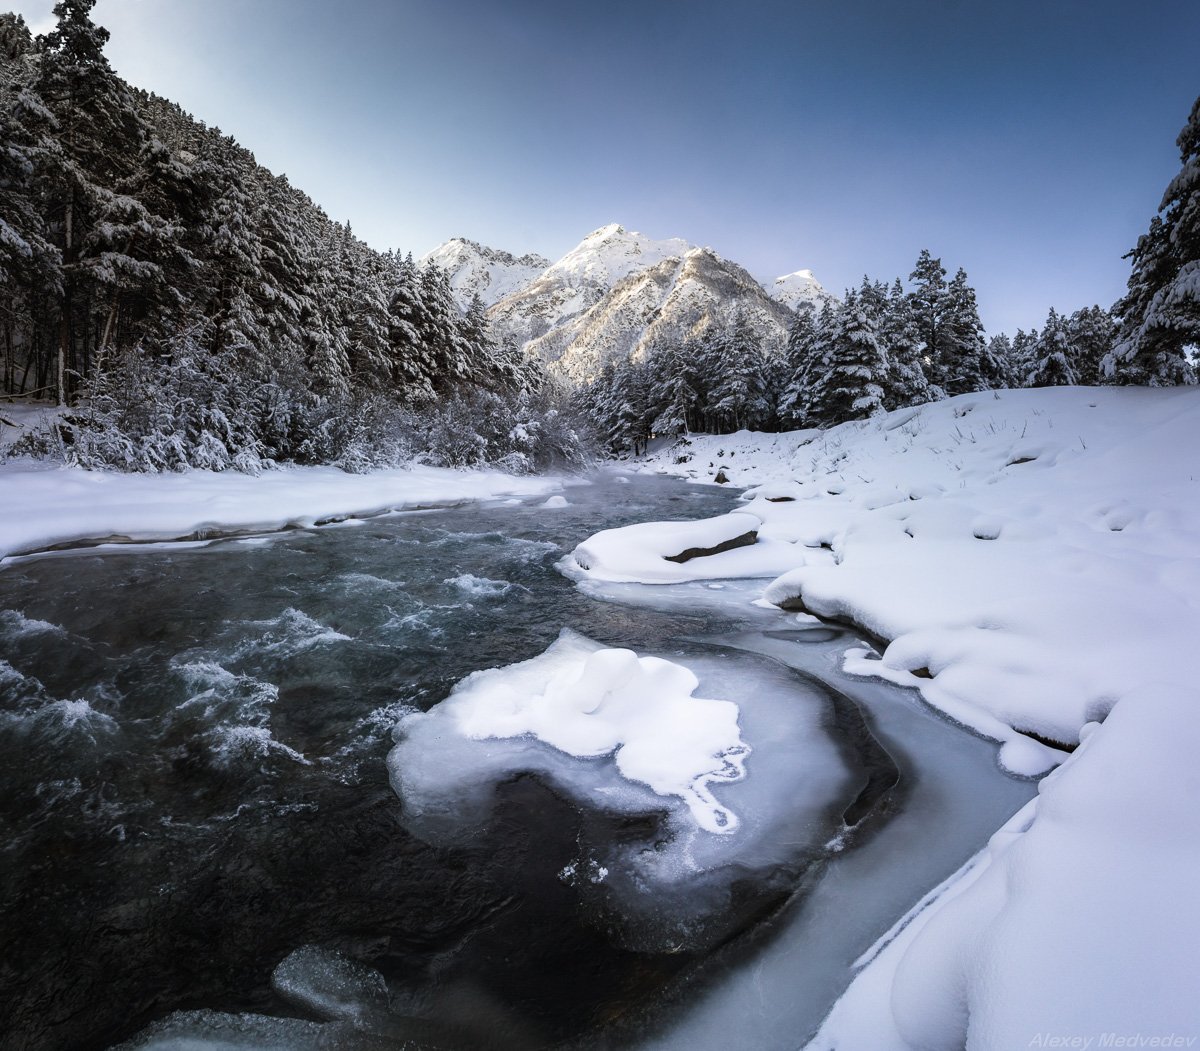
pixel 658 307
pixel 476 270
pixel 1029 561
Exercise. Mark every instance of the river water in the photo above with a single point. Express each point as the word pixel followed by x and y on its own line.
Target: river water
pixel 194 797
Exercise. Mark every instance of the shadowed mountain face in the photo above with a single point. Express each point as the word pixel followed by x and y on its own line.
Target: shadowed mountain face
pixel 619 294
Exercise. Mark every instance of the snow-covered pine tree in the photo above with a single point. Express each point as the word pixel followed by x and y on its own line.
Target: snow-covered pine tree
pixel 1024 355
pixel 676 398
pixel 852 386
pixel 1052 356
pixel 444 344
pixel 629 412
pixel 805 357
pixel 738 397
pixel 1000 351
pixel 407 327
pixel 368 313
pixel 965 362
pixel 1090 332
pixel 86 153
pixel 900 336
pixel 928 303
pixel 1159 317
pixel 30 263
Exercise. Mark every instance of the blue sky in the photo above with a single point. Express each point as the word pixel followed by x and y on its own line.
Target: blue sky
pixel 1027 142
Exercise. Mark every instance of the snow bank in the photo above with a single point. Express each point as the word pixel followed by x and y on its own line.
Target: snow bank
pixel 45 506
pixel 1024 554
pixel 1029 561
pixel 673 552
pixel 1079 921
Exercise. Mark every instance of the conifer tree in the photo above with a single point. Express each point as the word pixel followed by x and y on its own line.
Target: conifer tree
pixel 805 358
pixel 965 363
pixel 738 398
pixel 1024 355
pixel 852 386
pixel 1159 316
pixel 900 336
pixel 928 303
pixel 1052 361
pixel 1090 332
pixel 677 398
pixel 1000 351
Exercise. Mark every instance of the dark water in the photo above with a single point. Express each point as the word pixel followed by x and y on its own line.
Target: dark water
pixel 193 789
pixel 192 778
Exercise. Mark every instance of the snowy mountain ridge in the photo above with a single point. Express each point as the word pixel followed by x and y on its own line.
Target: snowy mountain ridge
pixel 617 294
pixel 476 270
pixel 678 298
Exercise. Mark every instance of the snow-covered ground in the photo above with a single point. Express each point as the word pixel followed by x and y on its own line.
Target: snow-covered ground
pixel 1030 561
pixel 42 505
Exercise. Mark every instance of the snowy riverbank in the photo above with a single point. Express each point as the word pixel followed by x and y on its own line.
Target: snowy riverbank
pixel 1030 559
pixel 46 506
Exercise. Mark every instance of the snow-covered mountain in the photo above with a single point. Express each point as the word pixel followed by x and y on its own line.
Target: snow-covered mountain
pixel 489 273
pixel 795 289
pixel 616 294
pixel 578 281
pixel 659 306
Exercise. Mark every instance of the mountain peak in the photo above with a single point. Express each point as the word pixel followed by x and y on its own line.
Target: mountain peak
pixel 604 233
pixel 489 273
pixel 796 289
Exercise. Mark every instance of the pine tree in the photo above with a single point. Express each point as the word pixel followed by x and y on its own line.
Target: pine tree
pixel 1052 365
pixel 805 357
pixel 98 133
pixel 676 400
pixel 851 388
pixel 1000 351
pixel 738 397
pixel 966 364
pixel 1024 355
pixel 1090 332
pixel 1159 316
pixel 900 337
pixel 407 329
pixel 928 303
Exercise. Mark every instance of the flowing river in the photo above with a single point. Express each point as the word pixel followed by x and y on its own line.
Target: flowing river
pixel 197 815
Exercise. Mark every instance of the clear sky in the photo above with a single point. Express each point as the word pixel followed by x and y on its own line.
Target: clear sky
pixel 1028 142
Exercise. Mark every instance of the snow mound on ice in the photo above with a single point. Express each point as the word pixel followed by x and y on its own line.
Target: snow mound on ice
pixel 592 703
pixel 556 501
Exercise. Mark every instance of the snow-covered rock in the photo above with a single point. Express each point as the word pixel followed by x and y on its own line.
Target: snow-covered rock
pixel 476 270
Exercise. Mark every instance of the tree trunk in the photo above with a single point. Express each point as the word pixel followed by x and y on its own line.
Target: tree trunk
pixel 64 328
